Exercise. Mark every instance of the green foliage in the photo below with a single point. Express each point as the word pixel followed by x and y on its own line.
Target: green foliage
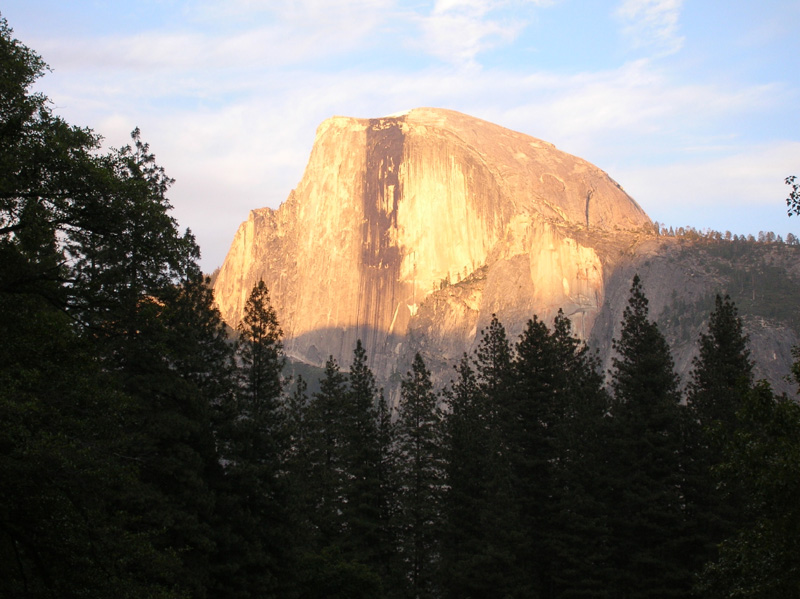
pixel 643 371
pixel 325 454
pixel 521 440
pixel 65 468
pixel 111 453
pixel 328 575
pixel 721 379
pixel 260 352
pixel 420 473
pixel 763 459
pixel 646 487
pixel 252 557
pixel 340 467
pixel 367 502
pixel 477 555
pixel 723 371
pixel 560 407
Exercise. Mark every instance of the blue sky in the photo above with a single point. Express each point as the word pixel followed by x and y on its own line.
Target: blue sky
pixel 691 105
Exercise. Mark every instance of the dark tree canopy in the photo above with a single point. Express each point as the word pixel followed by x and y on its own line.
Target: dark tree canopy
pixel 643 371
pixel 106 435
pixel 647 524
pixel 420 473
pixel 260 350
pixel 759 560
pixel 723 370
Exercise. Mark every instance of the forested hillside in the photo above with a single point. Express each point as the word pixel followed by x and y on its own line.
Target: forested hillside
pixel 145 452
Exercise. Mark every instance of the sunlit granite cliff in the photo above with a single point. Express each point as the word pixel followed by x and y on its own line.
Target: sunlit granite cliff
pixel 410 231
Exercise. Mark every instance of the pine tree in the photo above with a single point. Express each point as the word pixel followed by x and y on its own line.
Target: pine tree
pixel 643 373
pixel 326 447
pixel 647 524
pixel 340 495
pixel 580 528
pixel 762 460
pixel 720 382
pixel 259 351
pixel 253 557
pixel 478 555
pixel 723 370
pixel 300 485
pixel 493 359
pixel 533 422
pixel 362 463
pixel 295 431
pixel 495 407
pixel 465 502
pixel 420 471
pixel 387 556
pixel 558 409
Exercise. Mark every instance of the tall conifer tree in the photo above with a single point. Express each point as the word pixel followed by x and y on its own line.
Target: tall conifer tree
pixel 421 477
pixel 580 539
pixel 558 407
pixel 364 494
pixel 647 522
pixel 723 370
pixel 260 352
pixel 252 553
pixel 472 562
pixel 762 459
pixel 326 449
pixel 721 380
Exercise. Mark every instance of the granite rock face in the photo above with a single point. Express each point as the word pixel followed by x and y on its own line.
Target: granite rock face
pixel 392 211
pixel 410 231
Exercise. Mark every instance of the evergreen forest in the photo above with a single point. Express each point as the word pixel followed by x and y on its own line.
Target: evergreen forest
pixel 147 452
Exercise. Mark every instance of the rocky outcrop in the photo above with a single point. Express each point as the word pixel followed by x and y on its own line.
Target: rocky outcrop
pixel 391 210
pixel 410 231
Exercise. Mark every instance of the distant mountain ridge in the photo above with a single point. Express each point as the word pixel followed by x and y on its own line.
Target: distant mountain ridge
pixel 410 231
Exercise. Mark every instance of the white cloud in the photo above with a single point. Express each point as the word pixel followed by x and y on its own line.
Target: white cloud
pixel 294 10
pixel 652 24
pixel 458 38
pixel 456 31
pixel 260 46
pixel 636 108
pixel 751 175
pixel 228 36
pixel 742 191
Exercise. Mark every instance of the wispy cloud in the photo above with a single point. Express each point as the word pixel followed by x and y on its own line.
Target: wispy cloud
pixel 456 31
pixel 715 192
pixel 265 45
pixel 652 24
pixel 296 10
pixel 633 109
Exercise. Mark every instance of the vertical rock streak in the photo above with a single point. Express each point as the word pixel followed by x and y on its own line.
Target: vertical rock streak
pixel 381 258
pixel 588 198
